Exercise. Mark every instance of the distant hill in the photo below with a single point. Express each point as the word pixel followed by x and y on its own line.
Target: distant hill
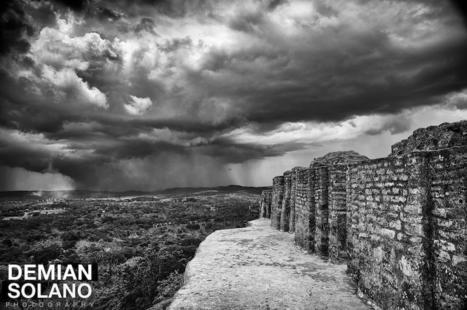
pixel 81 194
pixel 224 189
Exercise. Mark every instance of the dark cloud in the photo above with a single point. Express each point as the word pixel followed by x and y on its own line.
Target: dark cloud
pixel 138 149
pixel 108 14
pixel 14 28
pixel 394 126
pixel 325 9
pixel 218 83
pixel 146 24
pixel 338 87
pixel 275 3
pixel 76 5
pixel 232 152
pixel 461 6
pixel 137 8
pixel 246 22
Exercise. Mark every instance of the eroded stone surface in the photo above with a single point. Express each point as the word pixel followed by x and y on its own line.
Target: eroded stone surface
pixel 258 267
pixel 265 203
pixel 339 158
pixel 433 138
pixel 276 204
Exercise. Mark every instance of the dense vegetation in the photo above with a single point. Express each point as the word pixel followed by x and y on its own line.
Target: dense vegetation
pixel 141 244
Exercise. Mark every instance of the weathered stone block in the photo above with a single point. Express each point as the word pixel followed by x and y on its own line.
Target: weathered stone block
pixel 265 203
pixel 294 197
pixel 305 211
pixel 285 211
pixel 276 204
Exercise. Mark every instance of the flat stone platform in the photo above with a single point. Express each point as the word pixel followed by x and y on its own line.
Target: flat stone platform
pixel 258 267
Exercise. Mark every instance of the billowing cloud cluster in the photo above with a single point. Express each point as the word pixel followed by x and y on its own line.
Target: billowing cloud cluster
pixel 165 93
pixel 138 106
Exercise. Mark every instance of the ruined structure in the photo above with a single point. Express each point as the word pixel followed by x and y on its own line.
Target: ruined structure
pixel 399 222
pixel 293 197
pixel 286 199
pixel 320 204
pixel 276 203
pixel 265 203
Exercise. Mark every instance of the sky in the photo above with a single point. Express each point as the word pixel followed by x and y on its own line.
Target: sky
pixel 144 95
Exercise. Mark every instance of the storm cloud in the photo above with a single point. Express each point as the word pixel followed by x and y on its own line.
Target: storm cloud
pixel 147 94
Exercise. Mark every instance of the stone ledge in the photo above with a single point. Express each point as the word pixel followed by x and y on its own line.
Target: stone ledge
pixel 258 267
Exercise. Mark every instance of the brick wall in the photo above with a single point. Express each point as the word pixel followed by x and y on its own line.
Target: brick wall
pixel 447 179
pixel 319 204
pixel 265 203
pixel 293 198
pixel 386 236
pixel 285 211
pixel 320 190
pixel 337 213
pixel 400 222
pixel 305 211
pixel 407 231
pixel 276 204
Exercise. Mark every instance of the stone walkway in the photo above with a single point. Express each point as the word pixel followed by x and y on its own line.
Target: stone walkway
pixel 258 267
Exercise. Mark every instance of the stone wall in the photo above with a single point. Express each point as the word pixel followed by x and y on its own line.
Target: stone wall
pixel 305 212
pixel 446 135
pixel 320 178
pixel 320 204
pixel 386 230
pixel 447 193
pixel 293 198
pixel 276 204
pixel 337 213
pixel 400 222
pixel 285 211
pixel 407 232
pixel 265 203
